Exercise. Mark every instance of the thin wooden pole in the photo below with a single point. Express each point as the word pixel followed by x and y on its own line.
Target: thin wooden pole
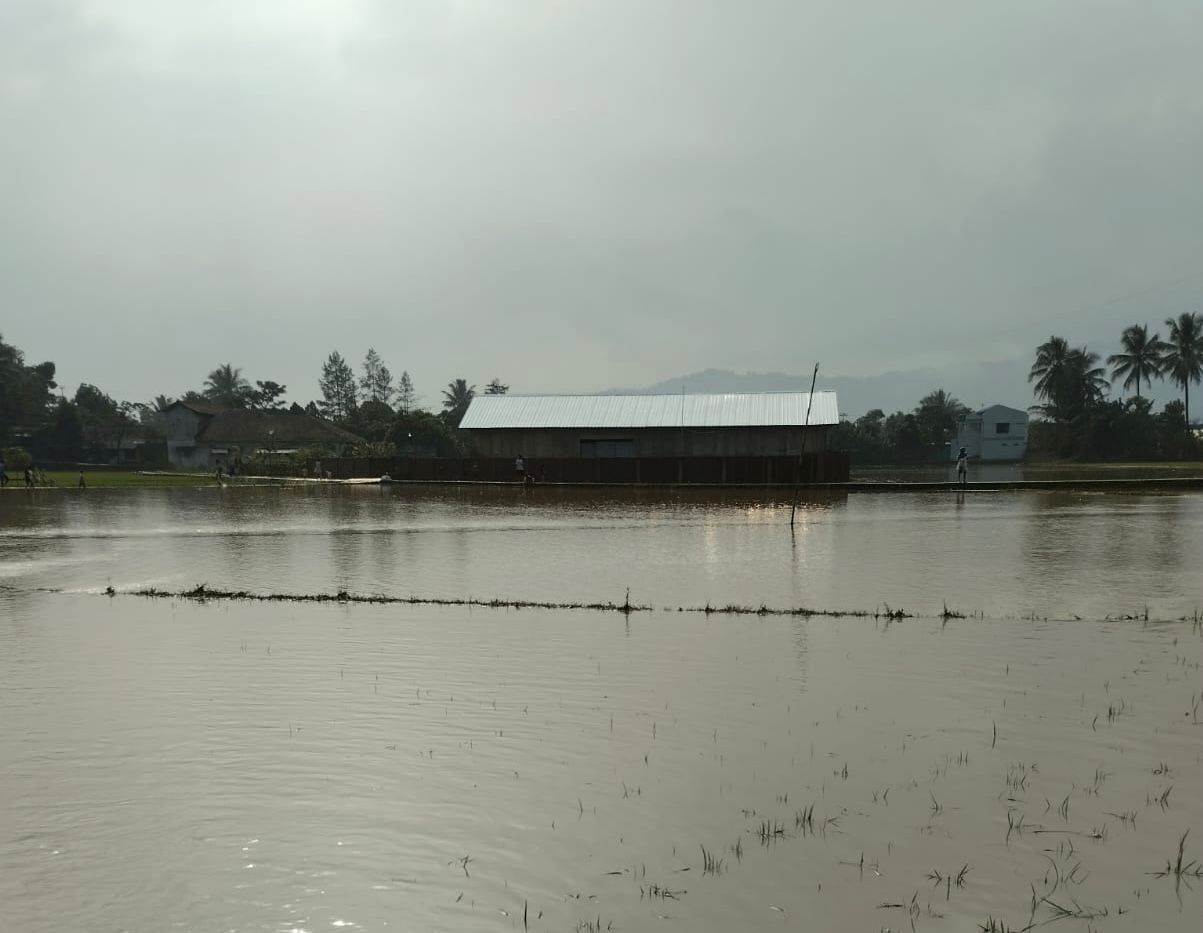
pixel 802 454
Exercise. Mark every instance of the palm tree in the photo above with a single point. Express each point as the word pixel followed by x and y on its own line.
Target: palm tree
pixel 456 398
pixel 1049 369
pixel 160 403
pixel 1183 357
pixel 1141 359
pixel 1087 381
pixel 1068 379
pixel 1049 373
pixel 937 415
pixel 226 386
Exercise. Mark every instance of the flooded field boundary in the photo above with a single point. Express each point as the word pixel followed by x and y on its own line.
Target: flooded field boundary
pixel 1148 484
pixel 883 612
pixel 1128 485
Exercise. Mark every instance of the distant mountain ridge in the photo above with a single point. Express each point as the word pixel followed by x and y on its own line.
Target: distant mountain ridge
pixel 975 384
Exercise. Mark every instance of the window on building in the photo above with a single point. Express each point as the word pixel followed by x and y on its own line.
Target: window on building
pixel 608 448
pixel 1002 427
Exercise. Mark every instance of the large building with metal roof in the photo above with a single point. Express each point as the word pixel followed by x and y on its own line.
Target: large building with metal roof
pixel 763 424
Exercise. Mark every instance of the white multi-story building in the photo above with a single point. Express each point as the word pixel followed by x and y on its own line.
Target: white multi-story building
pixel 994 433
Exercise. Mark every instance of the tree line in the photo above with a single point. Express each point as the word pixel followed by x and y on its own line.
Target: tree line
pixel 1079 420
pixel 1075 416
pixel 917 436
pixel 35 414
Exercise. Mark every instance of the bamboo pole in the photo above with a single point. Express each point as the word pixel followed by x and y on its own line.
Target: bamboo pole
pixel 810 400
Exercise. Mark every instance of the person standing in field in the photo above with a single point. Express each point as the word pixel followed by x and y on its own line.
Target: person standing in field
pixel 29 477
pixel 963 468
pixel 83 484
pixel 520 468
pixel 3 472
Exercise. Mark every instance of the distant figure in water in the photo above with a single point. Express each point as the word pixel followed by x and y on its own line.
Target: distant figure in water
pixel 83 483
pixel 963 467
pixel 520 468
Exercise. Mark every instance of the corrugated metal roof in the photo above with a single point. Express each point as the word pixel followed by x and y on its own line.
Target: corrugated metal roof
pixel 761 409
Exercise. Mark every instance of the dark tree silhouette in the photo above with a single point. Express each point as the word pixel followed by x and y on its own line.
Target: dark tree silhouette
pixel 1183 357
pixel 456 398
pixel 1140 361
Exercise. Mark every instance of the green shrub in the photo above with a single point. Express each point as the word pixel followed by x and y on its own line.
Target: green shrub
pixel 17 458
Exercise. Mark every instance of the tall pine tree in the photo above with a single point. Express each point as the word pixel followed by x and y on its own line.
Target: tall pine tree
pixel 406 399
pixel 339 393
pixel 377 381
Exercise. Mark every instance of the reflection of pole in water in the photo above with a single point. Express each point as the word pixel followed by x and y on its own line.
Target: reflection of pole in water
pixel 810 400
pixel 801 649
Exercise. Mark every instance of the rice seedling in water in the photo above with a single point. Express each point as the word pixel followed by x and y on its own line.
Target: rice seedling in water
pixel 1017 777
pixel 1181 867
pixel 1076 912
pixel 1014 825
pixel 1125 816
pixel 949 880
pixel 711 865
pixel 656 890
pixel 911 907
pixel 770 831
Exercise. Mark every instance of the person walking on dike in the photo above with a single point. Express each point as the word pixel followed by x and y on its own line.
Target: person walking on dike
pixel 29 477
pixel 83 484
pixel 520 468
pixel 963 468
pixel 3 472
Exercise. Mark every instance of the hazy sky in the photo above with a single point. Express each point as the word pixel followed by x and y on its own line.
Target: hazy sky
pixel 576 195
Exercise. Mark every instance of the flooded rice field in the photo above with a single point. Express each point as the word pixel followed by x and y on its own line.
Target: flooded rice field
pixel 1023 748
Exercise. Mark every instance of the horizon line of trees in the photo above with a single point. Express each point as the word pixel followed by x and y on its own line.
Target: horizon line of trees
pixel 1071 383
pixel 1080 421
pixel 384 411
pixel 917 436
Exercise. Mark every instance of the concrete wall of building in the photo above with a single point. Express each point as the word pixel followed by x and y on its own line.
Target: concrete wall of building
pixel 650 442
pixel 983 435
pixel 182 425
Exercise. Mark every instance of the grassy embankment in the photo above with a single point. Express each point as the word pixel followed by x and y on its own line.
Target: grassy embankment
pixel 117 479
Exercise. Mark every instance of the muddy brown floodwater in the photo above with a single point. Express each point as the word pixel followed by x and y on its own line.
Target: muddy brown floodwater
pixel 260 766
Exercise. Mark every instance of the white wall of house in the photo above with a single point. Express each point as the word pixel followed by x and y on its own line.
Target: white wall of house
pixel 181 426
pixel 994 433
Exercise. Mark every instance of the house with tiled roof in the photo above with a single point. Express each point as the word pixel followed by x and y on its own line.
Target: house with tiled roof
pixel 202 436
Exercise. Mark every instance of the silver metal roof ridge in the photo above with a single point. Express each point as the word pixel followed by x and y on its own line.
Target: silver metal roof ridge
pixel 711 410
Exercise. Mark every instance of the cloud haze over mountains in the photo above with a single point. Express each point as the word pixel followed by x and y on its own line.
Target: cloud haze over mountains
pixel 589 194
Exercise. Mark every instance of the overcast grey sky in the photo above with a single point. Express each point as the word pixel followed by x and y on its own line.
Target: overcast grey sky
pixel 574 195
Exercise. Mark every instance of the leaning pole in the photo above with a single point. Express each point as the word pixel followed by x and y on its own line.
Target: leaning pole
pixel 810 400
